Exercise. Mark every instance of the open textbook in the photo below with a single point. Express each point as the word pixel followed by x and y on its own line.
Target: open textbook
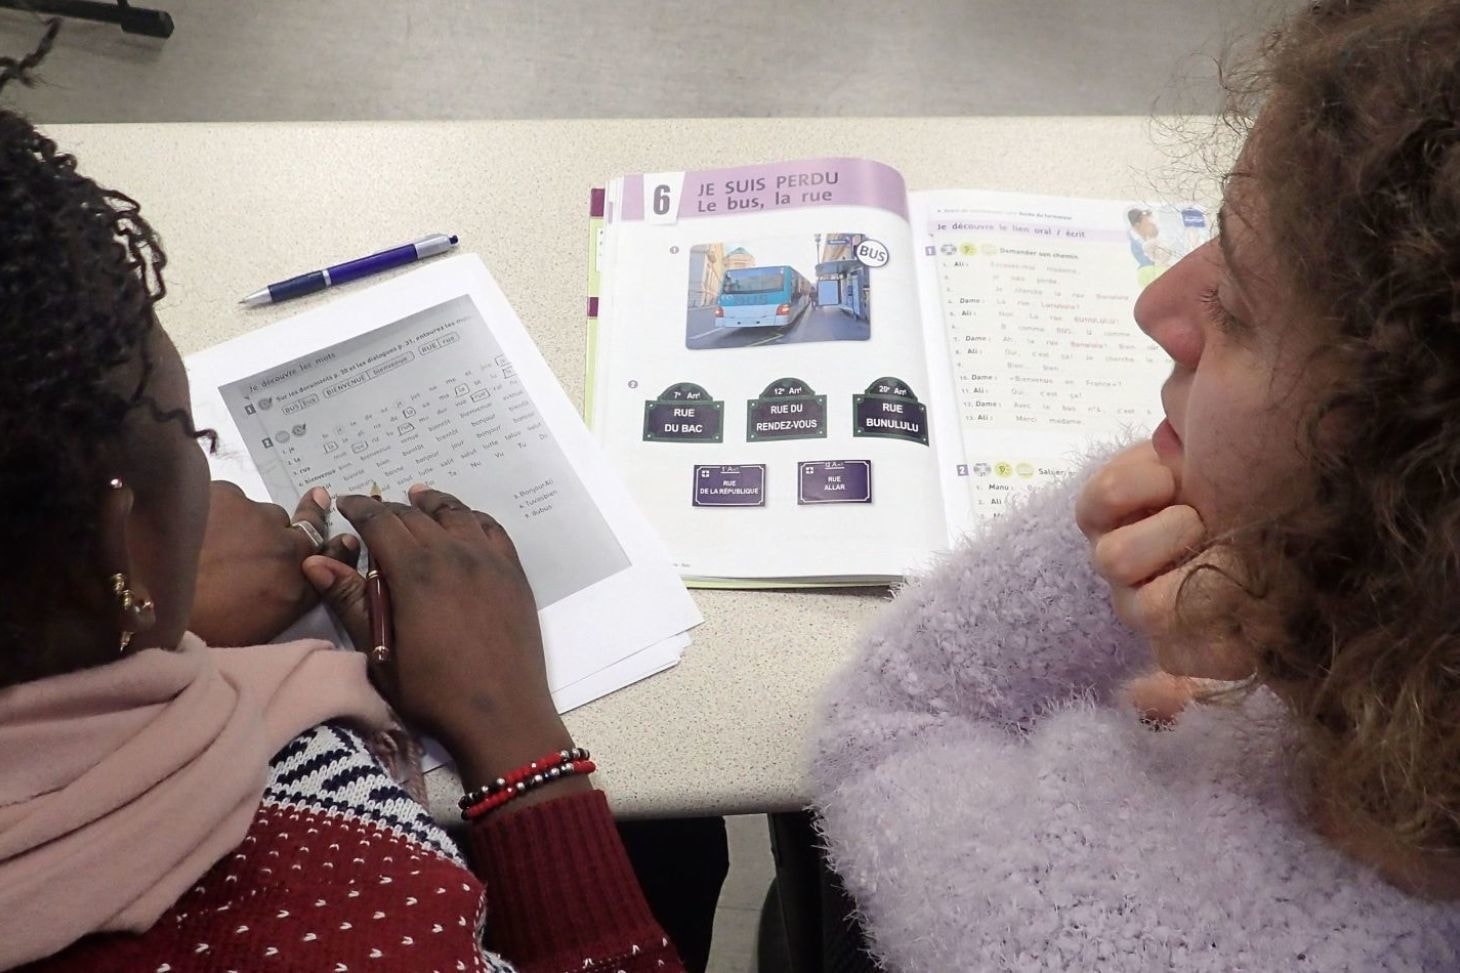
pixel 432 378
pixel 808 374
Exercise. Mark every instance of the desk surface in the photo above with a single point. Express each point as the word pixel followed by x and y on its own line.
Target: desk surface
pixel 239 205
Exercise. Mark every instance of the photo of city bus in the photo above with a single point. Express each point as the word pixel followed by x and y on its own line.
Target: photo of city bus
pixel 758 292
pixel 762 297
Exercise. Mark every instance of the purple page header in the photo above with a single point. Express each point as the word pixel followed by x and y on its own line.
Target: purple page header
pixel 780 185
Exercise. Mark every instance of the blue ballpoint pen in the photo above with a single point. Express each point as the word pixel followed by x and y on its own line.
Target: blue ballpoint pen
pixel 318 280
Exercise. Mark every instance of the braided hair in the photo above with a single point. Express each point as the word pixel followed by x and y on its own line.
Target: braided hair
pixel 80 272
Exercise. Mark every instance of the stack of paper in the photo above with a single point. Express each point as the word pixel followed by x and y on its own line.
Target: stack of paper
pixel 432 378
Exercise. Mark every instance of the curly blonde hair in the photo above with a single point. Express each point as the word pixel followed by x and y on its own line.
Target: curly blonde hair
pixel 1347 597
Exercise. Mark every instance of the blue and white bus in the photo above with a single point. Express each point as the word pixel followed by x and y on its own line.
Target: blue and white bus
pixel 762 297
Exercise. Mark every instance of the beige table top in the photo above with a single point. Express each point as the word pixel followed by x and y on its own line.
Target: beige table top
pixel 239 205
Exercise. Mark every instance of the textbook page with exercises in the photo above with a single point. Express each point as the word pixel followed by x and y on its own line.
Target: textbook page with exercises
pixel 808 374
pixel 432 378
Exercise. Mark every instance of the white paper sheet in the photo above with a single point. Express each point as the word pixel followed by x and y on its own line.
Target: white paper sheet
pixel 487 420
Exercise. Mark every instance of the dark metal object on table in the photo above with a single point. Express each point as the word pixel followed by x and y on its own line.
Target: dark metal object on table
pixel 132 20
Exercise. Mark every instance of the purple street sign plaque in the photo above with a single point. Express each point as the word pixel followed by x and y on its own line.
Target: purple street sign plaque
pixel 835 481
pixel 729 486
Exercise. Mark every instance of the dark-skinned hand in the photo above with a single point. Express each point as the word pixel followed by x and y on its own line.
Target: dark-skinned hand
pixel 251 585
pixel 467 665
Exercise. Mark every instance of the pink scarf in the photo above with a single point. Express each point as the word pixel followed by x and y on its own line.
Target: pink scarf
pixel 120 786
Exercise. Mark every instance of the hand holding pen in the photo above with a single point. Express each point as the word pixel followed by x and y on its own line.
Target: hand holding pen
pixel 465 661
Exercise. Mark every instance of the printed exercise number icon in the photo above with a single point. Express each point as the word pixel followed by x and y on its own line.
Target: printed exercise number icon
pixel 872 253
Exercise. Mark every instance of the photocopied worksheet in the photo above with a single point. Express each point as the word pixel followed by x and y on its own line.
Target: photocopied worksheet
pixel 431 378
pixel 432 397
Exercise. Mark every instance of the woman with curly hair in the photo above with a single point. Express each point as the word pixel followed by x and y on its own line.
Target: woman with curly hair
pixel 1000 783
pixel 166 806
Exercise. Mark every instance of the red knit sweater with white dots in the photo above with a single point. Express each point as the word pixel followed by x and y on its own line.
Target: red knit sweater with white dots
pixel 341 871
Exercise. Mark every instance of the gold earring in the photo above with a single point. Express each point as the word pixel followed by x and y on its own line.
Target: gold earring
pixel 126 602
pixel 122 592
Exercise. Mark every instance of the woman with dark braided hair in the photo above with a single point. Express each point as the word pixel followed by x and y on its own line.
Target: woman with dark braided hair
pixel 1003 786
pixel 165 806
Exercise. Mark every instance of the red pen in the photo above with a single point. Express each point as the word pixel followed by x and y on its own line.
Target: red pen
pixel 377 603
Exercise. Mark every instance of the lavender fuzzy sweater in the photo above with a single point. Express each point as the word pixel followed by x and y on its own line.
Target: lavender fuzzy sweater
pixel 990 807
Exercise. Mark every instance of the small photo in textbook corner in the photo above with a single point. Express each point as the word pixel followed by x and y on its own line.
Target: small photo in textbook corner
pixel 778 290
pixel 1160 236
